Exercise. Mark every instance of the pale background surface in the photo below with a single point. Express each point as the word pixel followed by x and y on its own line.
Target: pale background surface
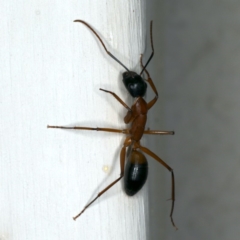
pixel 199 67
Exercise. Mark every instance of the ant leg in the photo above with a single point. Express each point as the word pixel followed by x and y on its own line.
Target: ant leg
pixel 124 131
pixel 122 165
pixel 159 132
pixel 153 155
pixel 149 80
pixel 118 98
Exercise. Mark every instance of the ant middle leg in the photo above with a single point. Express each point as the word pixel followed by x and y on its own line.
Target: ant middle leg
pixel 158 132
pixel 113 130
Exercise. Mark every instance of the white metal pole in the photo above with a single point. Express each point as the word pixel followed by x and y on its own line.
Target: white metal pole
pixel 52 70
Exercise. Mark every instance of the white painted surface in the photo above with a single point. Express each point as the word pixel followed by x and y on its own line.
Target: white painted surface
pixel 51 70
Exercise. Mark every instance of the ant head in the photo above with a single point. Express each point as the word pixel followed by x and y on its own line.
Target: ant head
pixel 135 84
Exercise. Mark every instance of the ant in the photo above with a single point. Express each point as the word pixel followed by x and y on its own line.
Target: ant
pixel 136 170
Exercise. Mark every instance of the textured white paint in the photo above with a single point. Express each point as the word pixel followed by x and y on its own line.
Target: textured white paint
pixel 51 70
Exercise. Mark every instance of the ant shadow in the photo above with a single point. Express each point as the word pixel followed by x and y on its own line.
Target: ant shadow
pixel 116 156
pixel 115 163
pixel 105 182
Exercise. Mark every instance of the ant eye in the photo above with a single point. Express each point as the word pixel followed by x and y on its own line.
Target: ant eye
pixel 132 86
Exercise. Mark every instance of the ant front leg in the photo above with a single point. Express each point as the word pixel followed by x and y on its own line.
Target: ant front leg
pixel 149 80
pixel 117 97
pixel 127 143
pixel 128 118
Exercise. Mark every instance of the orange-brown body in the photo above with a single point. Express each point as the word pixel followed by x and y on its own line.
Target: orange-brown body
pixel 138 117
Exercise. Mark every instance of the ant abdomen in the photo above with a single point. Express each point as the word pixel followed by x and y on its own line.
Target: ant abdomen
pixel 135 174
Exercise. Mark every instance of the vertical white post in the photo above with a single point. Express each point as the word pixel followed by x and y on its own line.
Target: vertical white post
pixel 52 70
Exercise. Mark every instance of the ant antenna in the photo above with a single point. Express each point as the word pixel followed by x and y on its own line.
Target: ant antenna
pixel 110 54
pixel 152 50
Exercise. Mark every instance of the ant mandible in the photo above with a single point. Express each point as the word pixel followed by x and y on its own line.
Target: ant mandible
pixel 136 170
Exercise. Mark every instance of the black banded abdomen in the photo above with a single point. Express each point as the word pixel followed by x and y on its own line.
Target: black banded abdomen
pixel 135 174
